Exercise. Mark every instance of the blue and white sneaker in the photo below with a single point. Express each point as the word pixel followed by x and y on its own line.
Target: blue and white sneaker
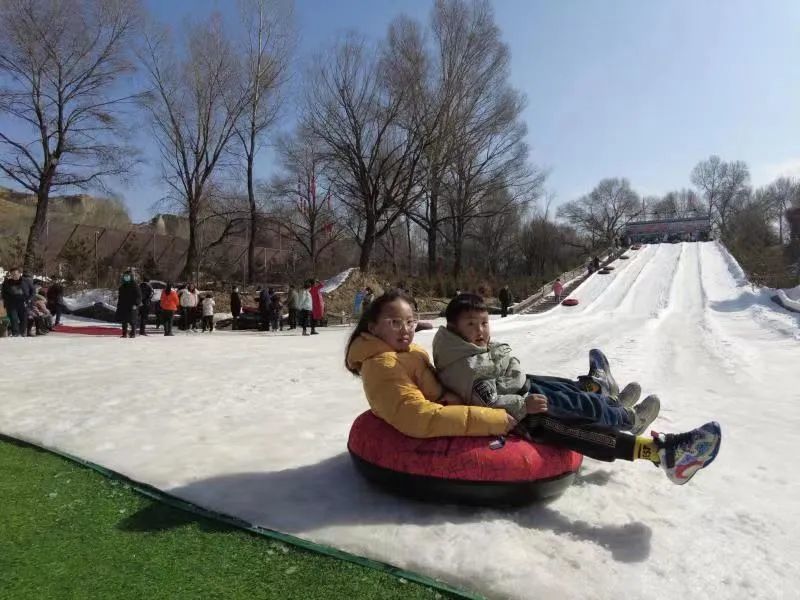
pixel 682 455
pixel 599 380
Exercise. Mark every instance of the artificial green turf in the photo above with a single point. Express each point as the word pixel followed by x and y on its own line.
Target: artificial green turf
pixel 68 532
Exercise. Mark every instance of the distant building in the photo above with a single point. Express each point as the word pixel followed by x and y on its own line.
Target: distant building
pixel 689 229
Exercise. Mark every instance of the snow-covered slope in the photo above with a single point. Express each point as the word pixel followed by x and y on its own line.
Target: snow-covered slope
pixel 335 281
pixel 262 435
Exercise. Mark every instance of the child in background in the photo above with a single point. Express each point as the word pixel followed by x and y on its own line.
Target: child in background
pixel 558 290
pixel 208 313
pixel 276 312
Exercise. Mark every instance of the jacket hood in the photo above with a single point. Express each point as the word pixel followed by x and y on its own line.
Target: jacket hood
pixel 368 346
pixel 449 347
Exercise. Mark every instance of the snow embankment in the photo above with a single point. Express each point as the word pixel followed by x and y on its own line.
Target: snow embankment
pixel 88 298
pixel 790 298
pixel 337 280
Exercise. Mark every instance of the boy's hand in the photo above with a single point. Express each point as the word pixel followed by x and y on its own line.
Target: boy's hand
pixel 511 422
pixel 450 399
pixel 536 403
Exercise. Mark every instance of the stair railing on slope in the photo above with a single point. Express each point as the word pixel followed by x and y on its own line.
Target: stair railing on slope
pixel 609 255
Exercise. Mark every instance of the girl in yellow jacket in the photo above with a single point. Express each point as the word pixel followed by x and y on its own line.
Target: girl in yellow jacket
pixel 399 380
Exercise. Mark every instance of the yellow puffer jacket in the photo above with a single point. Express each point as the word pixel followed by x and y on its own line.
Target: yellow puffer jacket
pixel 402 389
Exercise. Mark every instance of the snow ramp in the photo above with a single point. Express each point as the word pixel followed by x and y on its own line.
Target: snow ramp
pixel 264 439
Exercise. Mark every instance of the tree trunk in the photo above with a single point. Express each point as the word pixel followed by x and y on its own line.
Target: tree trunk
pixel 191 254
pixel 410 254
pixel 37 227
pixel 367 246
pixel 251 243
pixel 432 234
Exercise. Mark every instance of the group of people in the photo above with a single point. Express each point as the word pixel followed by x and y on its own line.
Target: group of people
pixel 305 306
pixel 25 307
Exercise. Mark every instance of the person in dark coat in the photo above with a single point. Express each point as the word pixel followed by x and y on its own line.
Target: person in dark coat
pixel 128 301
pixel 55 301
pixel 505 301
pixel 17 293
pixel 276 312
pixel 236 307
pixel 147 299
pixel 596 263
pixel 264 301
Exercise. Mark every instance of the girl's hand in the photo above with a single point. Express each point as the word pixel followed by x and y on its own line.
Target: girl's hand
pixel 511 422
pixel 536 403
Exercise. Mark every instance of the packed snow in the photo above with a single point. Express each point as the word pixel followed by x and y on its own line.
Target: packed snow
pixel 87 298
pixel 790 298
pixel 255 425
pixel 335 281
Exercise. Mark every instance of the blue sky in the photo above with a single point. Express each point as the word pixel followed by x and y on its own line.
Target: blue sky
pixel 633 88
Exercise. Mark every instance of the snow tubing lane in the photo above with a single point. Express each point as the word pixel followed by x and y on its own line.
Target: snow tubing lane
pixel 462 470
pixel 88 330
pixel 570 302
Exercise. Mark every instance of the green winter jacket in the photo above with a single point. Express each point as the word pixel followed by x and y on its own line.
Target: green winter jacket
pixel 480 376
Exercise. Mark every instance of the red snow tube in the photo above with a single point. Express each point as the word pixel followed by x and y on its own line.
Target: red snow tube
pixel 463 470
pixel 88 330
pixel 570 302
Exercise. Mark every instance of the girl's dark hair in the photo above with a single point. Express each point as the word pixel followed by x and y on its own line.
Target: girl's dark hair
pixel 168 288
pixel 462 303
pixel 371 315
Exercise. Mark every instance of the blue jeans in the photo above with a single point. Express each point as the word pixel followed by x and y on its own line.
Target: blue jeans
pixel 566 401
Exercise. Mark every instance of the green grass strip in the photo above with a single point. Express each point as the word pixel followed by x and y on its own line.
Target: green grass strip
pixel 177 503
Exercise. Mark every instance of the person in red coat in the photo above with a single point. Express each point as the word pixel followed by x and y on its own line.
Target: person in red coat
pixel 317 306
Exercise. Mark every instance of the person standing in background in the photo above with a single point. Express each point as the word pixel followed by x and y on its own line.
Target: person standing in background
pixel 558 290
pixel 147 299
pixel 317 306
pixel 16 292
pixel 55 301
pixel 236 307
pixel 294 301
pixel 304 305
pixel 169 304
pixel 129 300
pixel 189 302
pixel 208 313
pixel 505 301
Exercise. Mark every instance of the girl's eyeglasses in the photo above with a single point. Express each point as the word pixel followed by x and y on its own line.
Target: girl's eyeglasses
pixel 399 324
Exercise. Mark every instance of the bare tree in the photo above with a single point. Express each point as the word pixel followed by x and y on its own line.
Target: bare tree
pixel 603 213
pixel 489 154
pixel 780 195
pixel 60 65
pixel 266 58
pixel 303 201
pixel 680 204
pixel 194 104
pixel 725 187
pixel 373 151
pixel 494 235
